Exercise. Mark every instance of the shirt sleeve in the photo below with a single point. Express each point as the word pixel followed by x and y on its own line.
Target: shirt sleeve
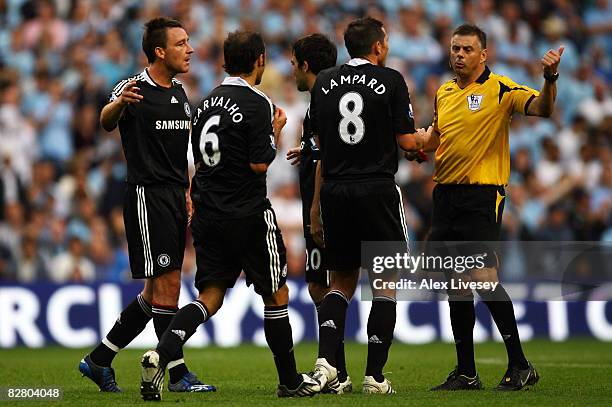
pixel 434 123
pixel 312 109
pixel 518 96
pixel 129 110
pixel 401 108
pixel 261 135
pixel 118 89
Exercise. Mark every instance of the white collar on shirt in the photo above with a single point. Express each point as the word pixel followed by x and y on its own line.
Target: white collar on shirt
pixel 238 81
pixel 235 80
pixel 358 61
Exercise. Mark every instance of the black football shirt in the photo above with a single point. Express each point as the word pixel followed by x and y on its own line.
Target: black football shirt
pixel 357 109
pixel 155 133
pixel 232 128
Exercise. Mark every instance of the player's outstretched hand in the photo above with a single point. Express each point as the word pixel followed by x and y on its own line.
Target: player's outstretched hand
pixel 293 155
pixel 550 60
pixel 130 94
pixel 280 119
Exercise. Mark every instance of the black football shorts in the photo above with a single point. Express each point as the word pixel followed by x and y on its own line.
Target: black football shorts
pixel 155 220
pixel 226 247
pixel 357 211
pixel 316 268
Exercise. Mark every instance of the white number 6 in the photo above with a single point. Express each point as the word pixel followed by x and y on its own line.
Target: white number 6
pixel 209 142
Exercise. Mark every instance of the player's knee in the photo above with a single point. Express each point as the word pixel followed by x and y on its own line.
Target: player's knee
pixel 317 291
pixel 386 293
pixel 345 281
pixel 211 295
pixel 166 288
pixel 484 275
pixel 147 291
pixel 280 297
pixel 460 295
pixel 212 304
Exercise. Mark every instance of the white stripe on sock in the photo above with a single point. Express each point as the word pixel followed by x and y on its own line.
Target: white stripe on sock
pixel 110 345
pixel 202 308
pixel 175 363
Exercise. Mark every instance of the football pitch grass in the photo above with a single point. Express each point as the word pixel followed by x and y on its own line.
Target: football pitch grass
pixel 578 372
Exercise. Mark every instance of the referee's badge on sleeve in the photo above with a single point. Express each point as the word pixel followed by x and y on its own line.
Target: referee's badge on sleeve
pixel 474 102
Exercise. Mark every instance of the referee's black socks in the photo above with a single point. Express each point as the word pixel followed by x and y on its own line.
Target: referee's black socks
pixel 340 357
pixel 279 337
pixel 332 315
pixel 178 332
pixel 381 324
pixel 500 306
pixel 463 320
pixel 131 322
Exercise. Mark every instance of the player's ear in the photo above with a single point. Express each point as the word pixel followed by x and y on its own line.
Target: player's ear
pixel 261 61
pixel 305 66
pixel 377 48
pixel 160 53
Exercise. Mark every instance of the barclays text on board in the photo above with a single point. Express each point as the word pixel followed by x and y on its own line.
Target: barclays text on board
pixel 79 315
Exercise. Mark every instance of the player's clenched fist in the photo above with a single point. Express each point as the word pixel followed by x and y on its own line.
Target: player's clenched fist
pixel 280 119
pixel 130 94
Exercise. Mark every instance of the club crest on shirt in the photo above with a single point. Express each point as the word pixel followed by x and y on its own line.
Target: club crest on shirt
pixel 474 102
pixel 187 109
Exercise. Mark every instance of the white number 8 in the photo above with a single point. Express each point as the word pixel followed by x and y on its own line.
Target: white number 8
pixel 211 155
pixel 351 117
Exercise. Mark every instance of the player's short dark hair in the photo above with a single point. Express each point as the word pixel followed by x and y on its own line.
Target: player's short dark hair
pixel 317 50
pixel 156 35
pixel 472 29
pixel 240 51
pixel 361 34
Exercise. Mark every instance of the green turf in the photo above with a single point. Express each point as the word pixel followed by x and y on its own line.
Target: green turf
pixel 573 373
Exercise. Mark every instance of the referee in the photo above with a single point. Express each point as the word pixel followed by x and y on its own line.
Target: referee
pixel 472 166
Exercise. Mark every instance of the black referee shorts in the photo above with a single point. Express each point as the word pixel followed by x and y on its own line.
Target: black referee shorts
pixel 470 213
pixel 226 247
pixel 357 211
pixel 155 220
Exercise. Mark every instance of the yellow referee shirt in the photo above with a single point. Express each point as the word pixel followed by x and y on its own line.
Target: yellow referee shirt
pixel 473 124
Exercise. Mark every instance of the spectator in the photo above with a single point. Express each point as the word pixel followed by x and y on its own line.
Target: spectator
pixel 46 29
pixel 596 108
pixel 73 265
pixel 30 263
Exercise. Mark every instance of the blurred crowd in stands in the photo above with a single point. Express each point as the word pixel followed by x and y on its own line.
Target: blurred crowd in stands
pixel 62 176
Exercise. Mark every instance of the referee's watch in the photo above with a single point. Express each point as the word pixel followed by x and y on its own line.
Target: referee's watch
pixel 552 78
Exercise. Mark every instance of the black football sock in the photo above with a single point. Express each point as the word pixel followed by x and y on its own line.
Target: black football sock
pixel 381 324
pixel 162 317
pixel 131 322
pixel 181 328
pixel 500 306
pixel 278 335
pixel 332 316
pixel 340 357
pixel 463 320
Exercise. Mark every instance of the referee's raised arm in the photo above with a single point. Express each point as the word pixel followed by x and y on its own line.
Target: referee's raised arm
pixel 543 105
